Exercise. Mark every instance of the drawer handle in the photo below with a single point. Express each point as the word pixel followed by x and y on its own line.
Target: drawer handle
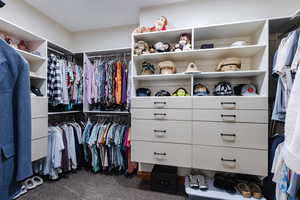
pixel 228 103
pixel 160 114
pixel 160 154
pixel 228 116
pixel 160 133
pixel 227 135
pixel 228 160
pixel 160 102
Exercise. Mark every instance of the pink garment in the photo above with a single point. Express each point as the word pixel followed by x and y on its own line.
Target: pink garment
pixel 88 71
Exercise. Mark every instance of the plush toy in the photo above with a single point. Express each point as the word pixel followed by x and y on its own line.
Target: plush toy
pixel 167 67
pixel 141 29
pixel 141 47
pixel 160 24
pixel 22 45
pixel 152 49
pixel 147 68
pixel 162 47
pixel 184 43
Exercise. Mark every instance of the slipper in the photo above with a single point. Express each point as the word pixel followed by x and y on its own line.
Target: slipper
pixel 225 182
pixel 202 182
pixel 255 190
pixel 22 192
pixel 244 189
pixel 193 182
pixel 37 180
pixel 29 184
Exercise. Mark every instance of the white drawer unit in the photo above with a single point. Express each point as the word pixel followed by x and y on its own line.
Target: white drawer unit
pixel 162 114
pixel 231 160
pixel 251 116
pixel 242 135
pixel 162 131
pixel 162 153
pixel 39 128
pixel 39 148
pixel 39 107
pixel 162 102
pixel 233 103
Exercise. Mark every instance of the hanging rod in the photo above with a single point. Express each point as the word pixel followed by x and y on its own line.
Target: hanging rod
pixel 111 55
pixel 54 50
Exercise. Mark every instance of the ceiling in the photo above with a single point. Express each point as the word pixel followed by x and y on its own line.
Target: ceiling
pixel 79 15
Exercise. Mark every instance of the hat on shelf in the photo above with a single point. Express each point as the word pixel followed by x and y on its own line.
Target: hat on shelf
pixel 180 92
pixel 245 90
pixel 200 90
pixel 162 93
pixel 147 68
pixel 229 64
pixel 192 68
pixel 223 88
pixel 167 67
pixel 249 90
pixel 142 92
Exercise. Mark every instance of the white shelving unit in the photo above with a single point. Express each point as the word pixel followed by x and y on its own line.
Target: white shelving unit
pixel 38 79
pixel 186 131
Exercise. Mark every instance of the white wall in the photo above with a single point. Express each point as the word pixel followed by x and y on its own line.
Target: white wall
pixel 207 12
pixel 103 39
pixel 22 14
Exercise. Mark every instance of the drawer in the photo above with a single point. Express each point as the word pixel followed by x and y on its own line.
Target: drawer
pixel 162 102
pixel 252 116
pixel 162 153
pixel 39 107
pixel 162 131
pixel 39 148
pixel 231 134
pixel 162 114
pixel 39 128
pixel 225 102
pixel 234 160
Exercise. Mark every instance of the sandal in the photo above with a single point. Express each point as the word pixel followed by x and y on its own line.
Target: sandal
pixel 244 189
pixel 37 180
pixel 255 190
pixel 29 183
pixel 22 192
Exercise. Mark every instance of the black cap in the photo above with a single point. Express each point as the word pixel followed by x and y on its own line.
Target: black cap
pixel 2 4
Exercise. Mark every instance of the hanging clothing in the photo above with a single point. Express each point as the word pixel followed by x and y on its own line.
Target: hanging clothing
pixel 15 121
pixel 292 129
pixel 65 80
pixel 107 84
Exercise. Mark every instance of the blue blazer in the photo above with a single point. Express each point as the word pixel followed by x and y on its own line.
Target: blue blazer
pixel 15 121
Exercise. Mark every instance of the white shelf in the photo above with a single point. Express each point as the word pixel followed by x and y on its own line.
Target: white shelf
pixel 198 54
pixel 63 113
pixel 108 112
pixel 214 193
pixel 17 31
pixel 35 76
pixel 162 77
pixel 233 74
pixel 30 57
pixel 166 36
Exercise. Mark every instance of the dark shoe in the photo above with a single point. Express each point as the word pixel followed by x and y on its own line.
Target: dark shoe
pixel 255 190
pixel 244 189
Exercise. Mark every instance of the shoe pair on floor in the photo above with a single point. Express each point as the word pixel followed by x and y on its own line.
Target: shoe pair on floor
pixel 29 184
pixel 247 185
pixel 198 182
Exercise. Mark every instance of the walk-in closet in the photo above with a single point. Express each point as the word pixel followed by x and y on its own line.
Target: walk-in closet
pixel 149 100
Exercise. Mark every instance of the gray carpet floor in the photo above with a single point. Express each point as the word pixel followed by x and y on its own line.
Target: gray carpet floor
pixel 86 186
